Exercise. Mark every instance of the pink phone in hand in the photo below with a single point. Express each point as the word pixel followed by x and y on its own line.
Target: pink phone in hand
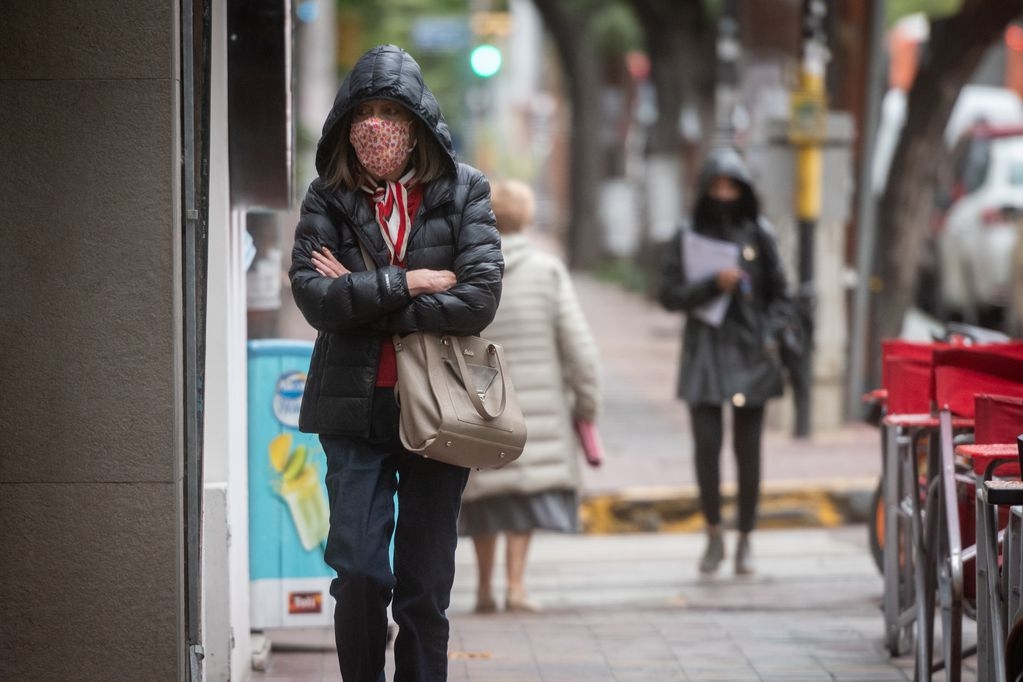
pixel 593 449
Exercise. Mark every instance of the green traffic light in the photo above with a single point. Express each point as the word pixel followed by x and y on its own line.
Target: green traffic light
pixel 485 61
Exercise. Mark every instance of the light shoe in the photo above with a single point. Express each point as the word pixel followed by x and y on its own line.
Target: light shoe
pixel 744 556
pixel 519 602
pixel 714 554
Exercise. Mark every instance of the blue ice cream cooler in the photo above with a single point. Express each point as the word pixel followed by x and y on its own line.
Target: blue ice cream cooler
pixel 288 511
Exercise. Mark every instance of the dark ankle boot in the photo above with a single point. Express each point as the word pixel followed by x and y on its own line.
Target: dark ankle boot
pixel 744 556
pixel 715 552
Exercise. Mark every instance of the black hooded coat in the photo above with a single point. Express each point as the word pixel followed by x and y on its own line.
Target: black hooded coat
pixel 739 361
pixel 452 230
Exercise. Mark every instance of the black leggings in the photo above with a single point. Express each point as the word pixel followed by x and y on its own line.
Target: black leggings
pixel 747 424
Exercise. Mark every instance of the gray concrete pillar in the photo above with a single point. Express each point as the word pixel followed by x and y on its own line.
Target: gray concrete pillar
pixel 91 444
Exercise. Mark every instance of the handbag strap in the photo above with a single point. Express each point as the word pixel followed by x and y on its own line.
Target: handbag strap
pixel 477 402
pixel 370 265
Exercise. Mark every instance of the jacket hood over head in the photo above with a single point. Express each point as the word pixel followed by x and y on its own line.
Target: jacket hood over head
pixel 725 162
pixel 384 72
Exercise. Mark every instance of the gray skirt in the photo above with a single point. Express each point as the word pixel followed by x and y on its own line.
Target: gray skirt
pixel 556 510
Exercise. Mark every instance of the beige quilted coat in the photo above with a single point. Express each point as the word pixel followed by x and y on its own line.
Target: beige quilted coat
pixel 554 366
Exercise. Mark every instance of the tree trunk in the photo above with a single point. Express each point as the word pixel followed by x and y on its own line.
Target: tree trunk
pixel 1016 291
pixel 676 38
pixel 679 49
pixel 572 37
pixel 956 46
pixel 665 41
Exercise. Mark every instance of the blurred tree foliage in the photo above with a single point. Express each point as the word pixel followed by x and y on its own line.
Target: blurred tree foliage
pixel 896 9
pixel 616 30
pixel 591 38
pixel 365 23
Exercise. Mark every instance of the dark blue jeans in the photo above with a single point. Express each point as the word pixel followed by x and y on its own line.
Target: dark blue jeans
pixel 363 475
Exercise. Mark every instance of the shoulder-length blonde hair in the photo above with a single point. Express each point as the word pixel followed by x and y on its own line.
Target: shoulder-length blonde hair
pixel 346 173
pixel 514 205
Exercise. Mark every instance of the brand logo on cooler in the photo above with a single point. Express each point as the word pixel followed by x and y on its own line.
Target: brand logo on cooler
pixel 305 602
pixel 288 398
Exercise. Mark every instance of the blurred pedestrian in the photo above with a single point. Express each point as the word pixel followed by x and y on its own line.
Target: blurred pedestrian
pixel 730 356
pixel 553 364
pixel 389 190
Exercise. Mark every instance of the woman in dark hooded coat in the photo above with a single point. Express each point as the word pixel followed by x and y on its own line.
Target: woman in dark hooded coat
pixel 736 362
pixel 389 189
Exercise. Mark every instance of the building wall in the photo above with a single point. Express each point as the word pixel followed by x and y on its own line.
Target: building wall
pixel 90 342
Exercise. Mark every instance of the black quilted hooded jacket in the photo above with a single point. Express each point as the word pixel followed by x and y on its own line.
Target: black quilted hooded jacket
pixel 452 230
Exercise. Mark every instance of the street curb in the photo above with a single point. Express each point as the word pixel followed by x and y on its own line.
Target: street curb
pixel 783 504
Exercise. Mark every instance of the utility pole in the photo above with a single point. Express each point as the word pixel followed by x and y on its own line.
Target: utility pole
pixel 866 211
pixel 807 130
pixel 728 108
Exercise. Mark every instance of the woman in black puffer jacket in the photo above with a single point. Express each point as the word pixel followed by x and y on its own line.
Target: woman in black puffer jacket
pixel 388 186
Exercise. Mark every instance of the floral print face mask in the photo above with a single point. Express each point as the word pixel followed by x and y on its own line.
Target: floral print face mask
pixel 381 145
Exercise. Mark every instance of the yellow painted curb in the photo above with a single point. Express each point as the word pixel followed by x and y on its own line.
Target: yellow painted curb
pixel 677 510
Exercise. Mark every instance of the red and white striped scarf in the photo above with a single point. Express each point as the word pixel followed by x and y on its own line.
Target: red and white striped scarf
pixel 390 203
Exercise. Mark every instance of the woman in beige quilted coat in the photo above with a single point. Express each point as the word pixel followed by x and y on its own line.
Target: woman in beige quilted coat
pixel 553 363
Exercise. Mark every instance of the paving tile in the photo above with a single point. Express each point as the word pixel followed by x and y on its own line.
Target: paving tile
pixel 493 669
pixel 578 677
pixel 592 669
pixel 297 664
pixel 878 675
pixel 828 631
pixel 721 674
pixel 645 673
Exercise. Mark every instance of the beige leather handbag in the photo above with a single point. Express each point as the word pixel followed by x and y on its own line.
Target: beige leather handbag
pixel 457 404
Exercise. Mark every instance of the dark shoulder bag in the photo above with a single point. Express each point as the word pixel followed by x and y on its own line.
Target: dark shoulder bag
pixel 786 326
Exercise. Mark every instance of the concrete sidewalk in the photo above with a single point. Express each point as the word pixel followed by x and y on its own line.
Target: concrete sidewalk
pixel 633 607
pixel 622 604
pixel 648 482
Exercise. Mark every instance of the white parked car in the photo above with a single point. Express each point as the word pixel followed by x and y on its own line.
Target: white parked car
pixel 975 103
pixel 945 290
pixel 977 237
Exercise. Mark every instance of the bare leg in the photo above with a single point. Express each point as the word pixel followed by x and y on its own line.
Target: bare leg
pixel 486 548
pixel 517 550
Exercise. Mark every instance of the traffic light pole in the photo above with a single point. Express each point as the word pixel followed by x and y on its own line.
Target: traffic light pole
pixel 726 96
pixel 808 128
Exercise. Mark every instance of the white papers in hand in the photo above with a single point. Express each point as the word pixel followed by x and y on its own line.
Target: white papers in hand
pixel 703 257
